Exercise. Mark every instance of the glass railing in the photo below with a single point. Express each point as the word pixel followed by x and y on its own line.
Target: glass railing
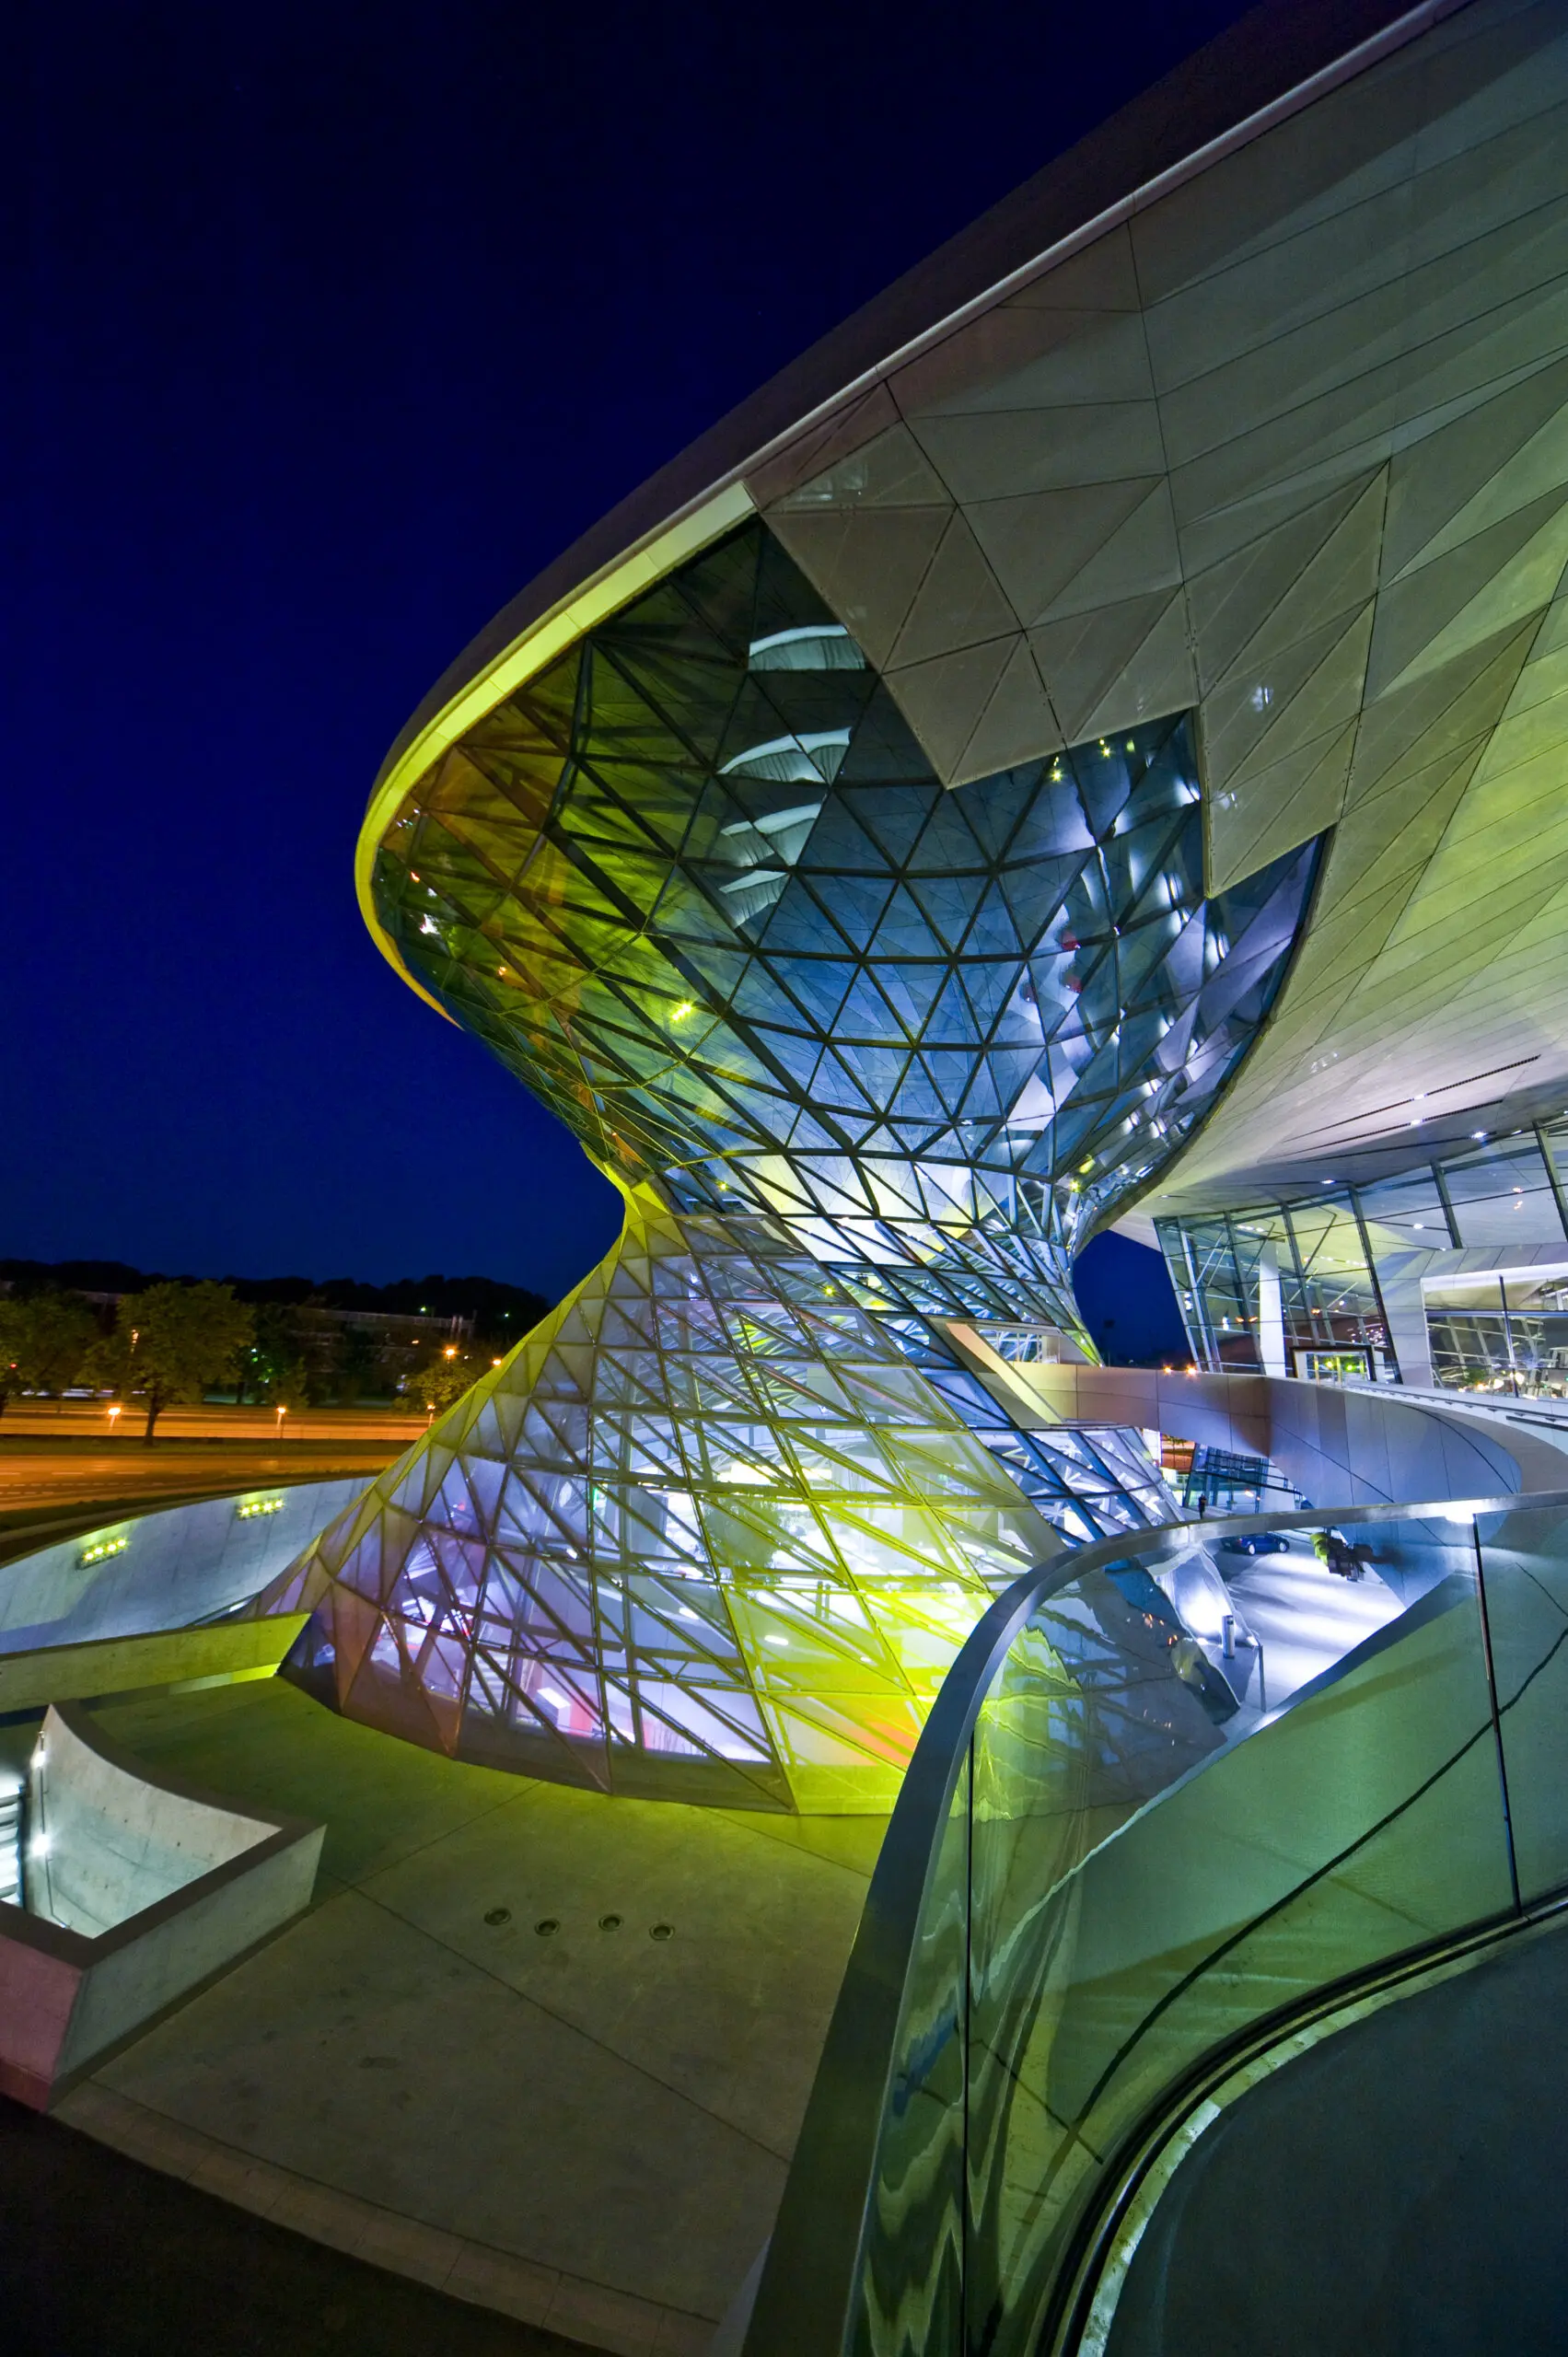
pixel 1171 1791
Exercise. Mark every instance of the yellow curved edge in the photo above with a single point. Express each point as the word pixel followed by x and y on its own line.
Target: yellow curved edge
pixel 539 645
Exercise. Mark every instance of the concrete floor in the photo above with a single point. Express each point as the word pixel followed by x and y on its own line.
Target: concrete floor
pixel 101 2258
pixel 1402 2190
pixel 1308 1617
pixel 610 2110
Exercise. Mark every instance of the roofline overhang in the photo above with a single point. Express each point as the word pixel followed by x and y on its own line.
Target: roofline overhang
pixel 1280 58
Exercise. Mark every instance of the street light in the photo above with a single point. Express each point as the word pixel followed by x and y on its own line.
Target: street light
pixel 114 1412
pixel 281 1413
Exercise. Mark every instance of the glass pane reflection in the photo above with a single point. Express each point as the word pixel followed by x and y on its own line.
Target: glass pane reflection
pixel 1150 1854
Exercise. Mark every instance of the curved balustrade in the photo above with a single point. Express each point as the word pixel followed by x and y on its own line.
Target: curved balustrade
pixel 1117 1858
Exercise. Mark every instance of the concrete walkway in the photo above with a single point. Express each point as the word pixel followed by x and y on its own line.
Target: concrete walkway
pixel 1399 2191
pixel 101 2257
pixel 1305 1615
pixel 588 2126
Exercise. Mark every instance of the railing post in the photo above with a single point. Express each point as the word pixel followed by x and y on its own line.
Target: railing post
pixel 964 2074
pixel 1496 1715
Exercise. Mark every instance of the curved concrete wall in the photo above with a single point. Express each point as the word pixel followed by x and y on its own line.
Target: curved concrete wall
pixel 182 1564
pixel 105 1841
pixel 152 1887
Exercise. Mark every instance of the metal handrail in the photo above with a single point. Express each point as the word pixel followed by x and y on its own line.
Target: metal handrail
pixel 806 2296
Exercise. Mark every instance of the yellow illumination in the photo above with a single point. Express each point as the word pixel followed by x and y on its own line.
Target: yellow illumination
pixel 103 1550
pixel 538 644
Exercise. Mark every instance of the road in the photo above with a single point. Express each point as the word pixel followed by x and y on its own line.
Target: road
pixel 55 1467
pixel 91 1420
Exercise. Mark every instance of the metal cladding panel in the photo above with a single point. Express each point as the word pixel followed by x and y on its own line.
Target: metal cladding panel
pixel 1290 445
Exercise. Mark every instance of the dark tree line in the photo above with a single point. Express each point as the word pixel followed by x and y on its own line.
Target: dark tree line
pixel 165 1343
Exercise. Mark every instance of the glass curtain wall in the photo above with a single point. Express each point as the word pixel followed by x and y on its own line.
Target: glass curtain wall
pixel 865 1055
pixel 698 886
pixel 1329 1305
pixel 1487 1332
pixel 1502 1333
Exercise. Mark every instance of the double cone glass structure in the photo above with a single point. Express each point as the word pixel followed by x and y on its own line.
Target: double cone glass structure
pixel 957 806
pixel 866 1057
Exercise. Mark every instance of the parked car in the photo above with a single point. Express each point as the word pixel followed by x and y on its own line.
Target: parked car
pixel 1256 1542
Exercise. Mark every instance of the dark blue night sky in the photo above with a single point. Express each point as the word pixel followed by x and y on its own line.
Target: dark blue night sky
pixel 336 323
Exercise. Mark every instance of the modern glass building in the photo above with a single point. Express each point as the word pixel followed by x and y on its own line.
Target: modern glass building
pixel 1441 1263
pixel 1084 746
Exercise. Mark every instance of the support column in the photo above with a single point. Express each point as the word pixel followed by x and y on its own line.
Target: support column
pixel 1270 1314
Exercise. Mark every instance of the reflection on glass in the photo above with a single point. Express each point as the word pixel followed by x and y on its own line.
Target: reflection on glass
pixel 1309 1272
pixel 1207 1779
pixel 1504 1332
pixel 1524 1555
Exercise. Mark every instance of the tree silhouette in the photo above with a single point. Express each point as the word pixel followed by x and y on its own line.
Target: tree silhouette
pixel 443 1380
pixel 171 1342
pixel 44 1338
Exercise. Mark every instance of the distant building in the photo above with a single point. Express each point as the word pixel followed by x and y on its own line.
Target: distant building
pixel 376 1351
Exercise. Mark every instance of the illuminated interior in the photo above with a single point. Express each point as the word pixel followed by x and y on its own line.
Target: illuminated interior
pixel 867 1055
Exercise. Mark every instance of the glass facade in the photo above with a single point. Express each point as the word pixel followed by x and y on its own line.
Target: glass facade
pixel 710 1536
pixel 1316 1270
pixel 1132 1861
pixel 1502 1333
pixel 705 1537
pixel 864 1054
pixel 1329 1302
pixel 699 886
